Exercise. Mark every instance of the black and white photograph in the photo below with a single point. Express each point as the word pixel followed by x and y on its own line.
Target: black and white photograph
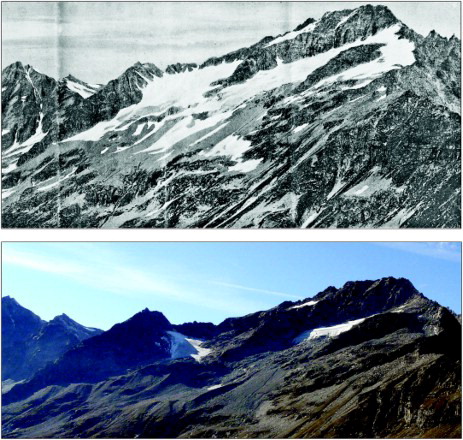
pixel 231 115
pixel 213 340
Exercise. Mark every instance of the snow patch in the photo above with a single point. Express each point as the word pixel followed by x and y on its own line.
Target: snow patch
pixel 311 216
pixel 300 128
pixel 95 133
pixel 336 188
pixel 343 20
pixel 306 304
pixel 373 183
pixel 9 168
pixel 215 387
pixel 7 192
pixel 200 351
pixel 329 332
pixel 24 147
pixel 232 146
pixel 181 347
pixel 245 167
pixel 139 129
pixel 401 217
pixel 58 181
pixel 185 128
pixel 80 89
pixel 395 54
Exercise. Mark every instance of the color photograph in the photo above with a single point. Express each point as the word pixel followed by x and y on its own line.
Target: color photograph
pixel 231 340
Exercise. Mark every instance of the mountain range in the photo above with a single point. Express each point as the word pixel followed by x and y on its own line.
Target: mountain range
pixel 372 359
pixel 29 343
pixel 348 121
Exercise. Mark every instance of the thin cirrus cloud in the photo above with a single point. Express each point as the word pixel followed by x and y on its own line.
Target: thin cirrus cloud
pixel 110 271
pixel 255 289
pixel 450 251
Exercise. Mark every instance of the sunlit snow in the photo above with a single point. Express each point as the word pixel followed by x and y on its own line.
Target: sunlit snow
pixel 24 147
pixel 373 183
pixel 395 53
pixel 181 346
pixel 329 332
pixel 306 304
pixel 9 168
pixel 139 129
pixel 247 166
pixel 186 91
pixel 232 146
pixel 300 128
pixel 83 91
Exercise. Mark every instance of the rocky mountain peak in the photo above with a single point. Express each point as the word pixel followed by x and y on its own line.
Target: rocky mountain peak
pixel 63 319
pixel 304 24
pixel 181 67
pixel 9 300
pixel 19 315
pixel 146 321
pixel 148 69
pixel 13 67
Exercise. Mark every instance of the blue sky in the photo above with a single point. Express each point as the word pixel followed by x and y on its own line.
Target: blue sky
pixel 97 41
pixel 100 284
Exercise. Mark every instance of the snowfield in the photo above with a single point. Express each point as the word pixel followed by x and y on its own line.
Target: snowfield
pixel 181 347
pixel 193 93
pixel 82 90
pixel 329 332
pixel 306 304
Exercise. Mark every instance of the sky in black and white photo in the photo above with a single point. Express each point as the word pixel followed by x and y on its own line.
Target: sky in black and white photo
pixel 97 41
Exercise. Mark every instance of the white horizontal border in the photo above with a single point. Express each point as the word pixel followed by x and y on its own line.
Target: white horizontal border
pixel 231 235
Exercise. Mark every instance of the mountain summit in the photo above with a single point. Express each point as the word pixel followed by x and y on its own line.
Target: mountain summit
pixel 349 121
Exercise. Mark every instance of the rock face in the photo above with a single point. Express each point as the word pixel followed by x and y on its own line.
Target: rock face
pixel 19 326
pixel 29 343
pixel 140 340
pixel 372 359
pixel 352 120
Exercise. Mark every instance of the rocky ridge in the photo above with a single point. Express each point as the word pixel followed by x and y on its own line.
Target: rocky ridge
pixel 29 343
pixel 371 359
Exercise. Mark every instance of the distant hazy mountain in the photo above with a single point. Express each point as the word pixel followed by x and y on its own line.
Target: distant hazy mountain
pixel 370 359
pixel 29 343
pixel 352 120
